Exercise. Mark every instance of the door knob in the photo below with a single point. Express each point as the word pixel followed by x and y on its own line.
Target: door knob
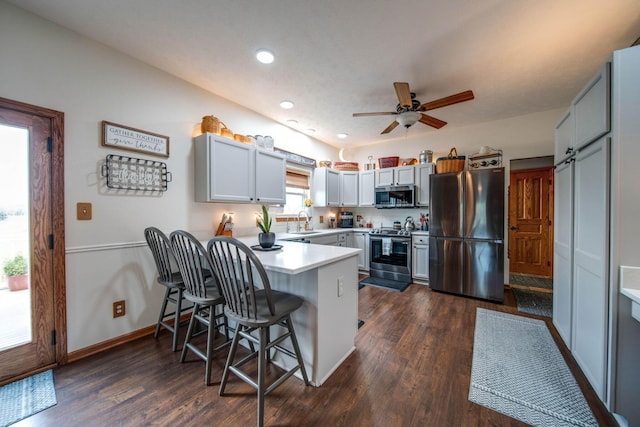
pixel 513 228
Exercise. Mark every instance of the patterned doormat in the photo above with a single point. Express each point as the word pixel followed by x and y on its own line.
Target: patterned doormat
pixel 532 302
pixel 23 398
pixel 517 370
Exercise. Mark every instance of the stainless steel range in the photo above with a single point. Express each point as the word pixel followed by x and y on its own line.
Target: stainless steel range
pixel 390 254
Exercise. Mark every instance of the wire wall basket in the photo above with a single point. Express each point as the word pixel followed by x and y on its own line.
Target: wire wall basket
pixel 129 173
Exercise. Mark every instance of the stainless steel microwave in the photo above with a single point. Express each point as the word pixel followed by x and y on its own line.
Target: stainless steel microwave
pixel 395 196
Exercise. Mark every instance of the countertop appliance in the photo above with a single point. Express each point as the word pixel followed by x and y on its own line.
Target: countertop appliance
pixel 390 254
pixel 345 219
pixel 395 196
pixel 466 234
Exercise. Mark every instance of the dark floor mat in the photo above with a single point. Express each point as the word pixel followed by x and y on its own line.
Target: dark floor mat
pixel 531 302
pixel 393 285
pixel 533 281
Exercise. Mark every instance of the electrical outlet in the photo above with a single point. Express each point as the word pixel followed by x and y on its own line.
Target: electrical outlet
pixel 321 219
pixel 340 286
pixel 119 309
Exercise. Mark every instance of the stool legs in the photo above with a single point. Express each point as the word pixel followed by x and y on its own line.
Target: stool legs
pixel 174 295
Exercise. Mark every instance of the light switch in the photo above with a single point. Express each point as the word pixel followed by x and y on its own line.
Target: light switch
pixel 84 211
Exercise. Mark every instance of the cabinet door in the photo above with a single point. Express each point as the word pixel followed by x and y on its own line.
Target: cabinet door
pixel 271 170
pixel 420 267
pixel 333 187
pixel 349 188
pixel 360 241
pixel 366 188
pixel 404 175
pixel 563 249
pixel 564 138
pixel 422 173
pixel 590 257
pixel 384 177
pixel 591 109
pixel 231 171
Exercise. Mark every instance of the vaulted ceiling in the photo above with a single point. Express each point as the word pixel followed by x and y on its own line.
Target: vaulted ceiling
pixel 338 57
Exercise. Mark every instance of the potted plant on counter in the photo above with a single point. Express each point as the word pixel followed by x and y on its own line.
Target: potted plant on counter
pixel 266 238
pixel 16 271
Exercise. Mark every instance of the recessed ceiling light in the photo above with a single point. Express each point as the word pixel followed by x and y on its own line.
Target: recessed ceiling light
pixel 265 56
pixel 292 122
pixel 342 135
pixel 310 131
pixel 287 105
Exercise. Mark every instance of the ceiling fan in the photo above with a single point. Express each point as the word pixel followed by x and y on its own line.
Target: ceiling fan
pixel 409 110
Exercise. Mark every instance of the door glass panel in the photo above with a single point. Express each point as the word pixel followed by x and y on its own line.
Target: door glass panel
pixel 15 294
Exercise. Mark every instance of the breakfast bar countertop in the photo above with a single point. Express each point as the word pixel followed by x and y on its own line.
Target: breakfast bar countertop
pixel 296 257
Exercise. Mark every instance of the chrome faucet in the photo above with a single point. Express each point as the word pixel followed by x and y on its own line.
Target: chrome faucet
pixel 306 216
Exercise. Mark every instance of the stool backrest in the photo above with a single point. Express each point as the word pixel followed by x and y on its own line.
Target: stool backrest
pixel 235 266
pixel 162 255
pixel 193 262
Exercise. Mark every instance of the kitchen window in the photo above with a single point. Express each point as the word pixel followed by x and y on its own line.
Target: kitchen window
pixel 297 189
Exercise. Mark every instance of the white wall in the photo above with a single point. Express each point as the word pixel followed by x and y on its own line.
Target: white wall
pixel 46 65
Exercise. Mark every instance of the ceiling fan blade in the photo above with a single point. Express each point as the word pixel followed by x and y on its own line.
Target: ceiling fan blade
pixel 389 128
pixel 467 95
pixel 386 113
pixel 432 121
pixel 404 94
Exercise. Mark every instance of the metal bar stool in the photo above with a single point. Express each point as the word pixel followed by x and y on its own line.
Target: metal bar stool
pixel 253 309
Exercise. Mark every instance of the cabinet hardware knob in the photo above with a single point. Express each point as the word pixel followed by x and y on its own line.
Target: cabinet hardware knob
pixel 513 228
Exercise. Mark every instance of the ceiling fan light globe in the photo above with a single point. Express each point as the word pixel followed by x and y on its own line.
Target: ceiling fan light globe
pixel 408 118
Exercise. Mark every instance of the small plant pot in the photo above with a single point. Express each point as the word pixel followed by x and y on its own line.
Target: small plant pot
pixel 266 240
pixel 18 283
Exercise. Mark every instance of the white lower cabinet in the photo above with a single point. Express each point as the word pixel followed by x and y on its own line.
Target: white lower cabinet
pixel 581 259
pixel 591 262
pixel 563 249
pixel 360 240
pixel 420 257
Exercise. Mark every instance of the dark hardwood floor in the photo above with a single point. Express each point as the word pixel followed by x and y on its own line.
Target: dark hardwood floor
pixel 412 367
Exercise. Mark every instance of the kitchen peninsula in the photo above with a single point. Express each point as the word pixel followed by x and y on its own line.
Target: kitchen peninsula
pixel 326 277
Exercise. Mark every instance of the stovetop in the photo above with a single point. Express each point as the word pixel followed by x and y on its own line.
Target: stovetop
pixel 390 232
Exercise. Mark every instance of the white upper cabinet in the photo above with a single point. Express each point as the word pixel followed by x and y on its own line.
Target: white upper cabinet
pixel 227 171
pixel 401 175
pixel 591 109
pixel 588 118
pixel 367 188
pixel 326 187
pixel 349 188
pixel 270 168
pixel 422 173
pixel 564 138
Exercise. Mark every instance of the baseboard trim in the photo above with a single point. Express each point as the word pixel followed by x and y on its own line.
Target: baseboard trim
pixel 115 342
pixel 106 345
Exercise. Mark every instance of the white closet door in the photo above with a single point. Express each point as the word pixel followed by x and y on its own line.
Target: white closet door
pixel 563 249
pixel 590 274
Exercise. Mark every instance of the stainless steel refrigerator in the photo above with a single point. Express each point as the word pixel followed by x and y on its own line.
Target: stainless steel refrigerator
pixel 466 233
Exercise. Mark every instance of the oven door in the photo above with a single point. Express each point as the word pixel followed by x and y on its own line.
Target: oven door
pixel 390 255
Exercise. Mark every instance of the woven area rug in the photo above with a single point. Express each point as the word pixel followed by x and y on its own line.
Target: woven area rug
pixel 26 397
pixel 532 302
pixel 518 371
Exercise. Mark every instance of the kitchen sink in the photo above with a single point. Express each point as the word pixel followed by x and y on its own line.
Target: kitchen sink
pixel 306 232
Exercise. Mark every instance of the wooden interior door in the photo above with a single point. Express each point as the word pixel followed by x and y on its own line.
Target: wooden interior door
pixel 31 220
pixel 530 221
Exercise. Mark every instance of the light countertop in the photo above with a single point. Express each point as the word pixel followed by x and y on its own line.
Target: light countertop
pixel 296 257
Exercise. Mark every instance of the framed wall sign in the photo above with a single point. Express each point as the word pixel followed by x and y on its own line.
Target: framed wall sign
pixel 128 138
